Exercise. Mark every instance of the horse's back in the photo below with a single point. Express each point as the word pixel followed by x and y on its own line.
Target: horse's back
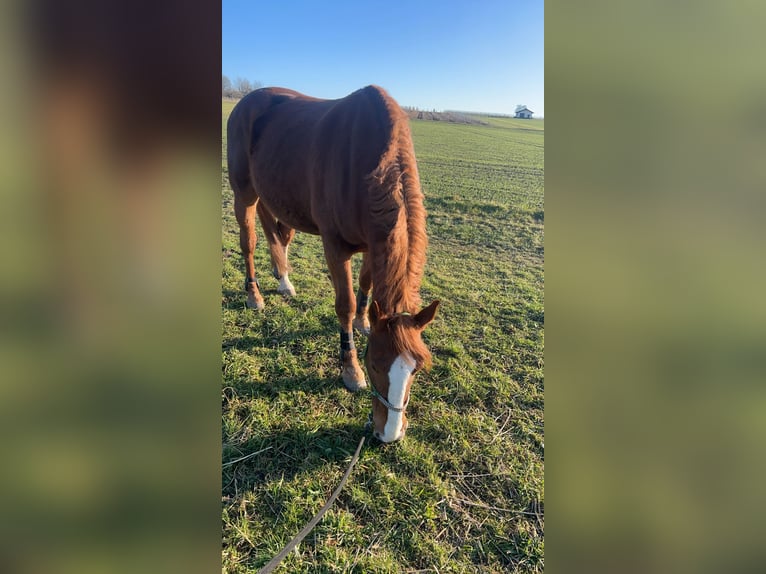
pixel 240 130
pixel 357 128
pixel 311 159
pixel 352 139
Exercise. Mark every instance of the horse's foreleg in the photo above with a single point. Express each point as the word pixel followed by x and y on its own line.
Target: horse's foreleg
pixel 279 237
pixel 340 271
pixel 247 239
pixel 361 321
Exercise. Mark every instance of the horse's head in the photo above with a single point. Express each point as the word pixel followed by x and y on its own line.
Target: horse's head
pixel 395 352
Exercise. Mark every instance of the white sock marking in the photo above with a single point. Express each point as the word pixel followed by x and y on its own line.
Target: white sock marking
pixel 285 286
pixel 398 376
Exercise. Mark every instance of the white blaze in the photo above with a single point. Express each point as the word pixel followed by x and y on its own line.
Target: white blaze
pixel 398 375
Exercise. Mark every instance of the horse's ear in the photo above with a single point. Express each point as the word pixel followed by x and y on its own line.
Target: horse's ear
pixel 374 313
pixel 426 315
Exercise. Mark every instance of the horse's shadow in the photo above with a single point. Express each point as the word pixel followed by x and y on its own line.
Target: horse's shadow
pixel 284 453
pixel 234 300
pixel 292 448
pixel 272 388
pixel 287 453
pixel 262 331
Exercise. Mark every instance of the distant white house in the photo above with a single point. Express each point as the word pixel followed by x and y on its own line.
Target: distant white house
pixel 523 112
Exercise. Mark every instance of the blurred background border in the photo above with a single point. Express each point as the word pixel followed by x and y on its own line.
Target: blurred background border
pixel 655 178
pixel 110 291
pixel 110 327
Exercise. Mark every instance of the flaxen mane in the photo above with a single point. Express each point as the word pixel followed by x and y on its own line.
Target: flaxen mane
pixel 397 213
pixel 406 338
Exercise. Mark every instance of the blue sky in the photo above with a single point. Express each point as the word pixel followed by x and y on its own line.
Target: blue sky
pixel 481 55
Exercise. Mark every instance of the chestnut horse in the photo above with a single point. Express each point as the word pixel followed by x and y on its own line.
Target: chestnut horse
pixel 344 170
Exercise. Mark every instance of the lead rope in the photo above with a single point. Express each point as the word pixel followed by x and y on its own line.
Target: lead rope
pixel 313 522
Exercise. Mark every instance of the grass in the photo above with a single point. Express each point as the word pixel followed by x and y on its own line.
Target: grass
pixel 464 491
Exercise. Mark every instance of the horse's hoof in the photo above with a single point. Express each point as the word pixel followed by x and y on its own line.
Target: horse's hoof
pixel 286 292
pixel 285 287
pixel 253 303
pixel 353 381
pixel 362 325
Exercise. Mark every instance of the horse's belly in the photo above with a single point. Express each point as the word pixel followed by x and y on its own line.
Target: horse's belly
pixel 288 212
pixel 301 225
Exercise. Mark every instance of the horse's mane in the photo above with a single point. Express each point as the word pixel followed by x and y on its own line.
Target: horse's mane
pixel 407 338
pixel 397 218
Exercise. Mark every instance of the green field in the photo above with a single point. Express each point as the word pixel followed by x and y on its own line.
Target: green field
pixel 464 491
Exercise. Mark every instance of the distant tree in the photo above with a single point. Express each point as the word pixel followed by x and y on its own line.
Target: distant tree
pixel 239 88
pixel 226 88
pixel 243 86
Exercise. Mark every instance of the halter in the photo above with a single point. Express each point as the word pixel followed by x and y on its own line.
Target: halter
pixel 376 394
pixel 385 402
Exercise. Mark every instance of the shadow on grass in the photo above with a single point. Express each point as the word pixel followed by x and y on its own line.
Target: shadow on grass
pixel 263 333
pixel 272 388
pixel 235 299
pixel 294 341
pixel 290 452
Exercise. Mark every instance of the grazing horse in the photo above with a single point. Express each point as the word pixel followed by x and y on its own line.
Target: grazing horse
pixel 344 170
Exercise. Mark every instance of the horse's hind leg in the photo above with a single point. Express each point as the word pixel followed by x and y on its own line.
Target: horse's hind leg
pixel 361 321
pixel 245 212
pixel 340 271
pixel 279 237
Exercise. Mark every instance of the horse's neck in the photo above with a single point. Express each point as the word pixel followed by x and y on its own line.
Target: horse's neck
pixel 392 287
pixel 399 255
pixel 391 302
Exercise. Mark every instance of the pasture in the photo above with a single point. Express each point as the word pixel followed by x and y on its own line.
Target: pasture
pixel 464 491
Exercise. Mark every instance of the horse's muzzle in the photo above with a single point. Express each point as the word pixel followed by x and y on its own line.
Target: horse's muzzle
pixel 379 436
